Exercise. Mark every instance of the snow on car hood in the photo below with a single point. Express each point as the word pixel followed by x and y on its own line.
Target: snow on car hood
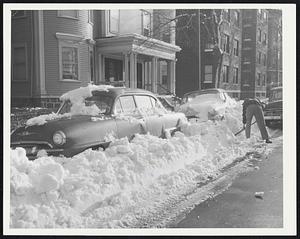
pixel 117 187
pixel 76 97
pixel 206 108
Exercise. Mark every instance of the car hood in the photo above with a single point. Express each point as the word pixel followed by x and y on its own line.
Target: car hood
pixel 202 109
pixel 45 131
pixel 274 105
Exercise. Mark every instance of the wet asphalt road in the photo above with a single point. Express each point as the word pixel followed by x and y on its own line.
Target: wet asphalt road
pixel 237 207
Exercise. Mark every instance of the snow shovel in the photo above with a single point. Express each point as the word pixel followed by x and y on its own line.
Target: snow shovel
pixel 237 133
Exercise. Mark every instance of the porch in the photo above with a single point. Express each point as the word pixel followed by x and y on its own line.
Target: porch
pixel 136 61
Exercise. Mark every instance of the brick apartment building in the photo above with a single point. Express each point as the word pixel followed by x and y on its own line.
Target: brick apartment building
pixel 254 53
pixel 195 63
pixel 274 71
pixel 244 38
pixel 54 51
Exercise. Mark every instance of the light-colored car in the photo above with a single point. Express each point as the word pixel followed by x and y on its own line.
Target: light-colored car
pixel 208 104
pixel 100 115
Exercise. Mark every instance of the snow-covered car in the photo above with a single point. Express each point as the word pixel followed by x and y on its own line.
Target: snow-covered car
pixel 273 109
pixel 90 117
pixel 208 104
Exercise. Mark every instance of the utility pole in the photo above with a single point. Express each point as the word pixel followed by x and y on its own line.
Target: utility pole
pixel 199 45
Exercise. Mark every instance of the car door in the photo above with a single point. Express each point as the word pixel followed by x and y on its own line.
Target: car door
pixel 128 121
pixel 154 116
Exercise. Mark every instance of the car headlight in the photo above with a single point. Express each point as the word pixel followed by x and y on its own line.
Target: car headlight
pixel 59 138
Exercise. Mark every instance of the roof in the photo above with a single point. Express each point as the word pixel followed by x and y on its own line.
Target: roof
pixel 277 88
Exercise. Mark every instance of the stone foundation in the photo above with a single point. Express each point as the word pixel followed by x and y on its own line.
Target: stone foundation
pixel 52 103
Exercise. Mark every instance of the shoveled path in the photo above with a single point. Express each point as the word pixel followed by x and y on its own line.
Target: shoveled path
pixel 238 207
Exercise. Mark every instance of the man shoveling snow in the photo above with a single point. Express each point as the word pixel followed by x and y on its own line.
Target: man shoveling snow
pixel 253 107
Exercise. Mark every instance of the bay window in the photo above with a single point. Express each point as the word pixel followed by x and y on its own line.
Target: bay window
pixel 68 62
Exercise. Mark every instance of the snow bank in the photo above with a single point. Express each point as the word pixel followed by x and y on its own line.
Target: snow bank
pixel 76 97
pixel 129 180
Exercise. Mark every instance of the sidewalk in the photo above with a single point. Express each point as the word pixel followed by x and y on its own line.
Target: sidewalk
pixel 238 207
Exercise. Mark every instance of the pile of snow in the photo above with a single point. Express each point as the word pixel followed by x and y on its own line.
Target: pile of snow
pixel 129 180
pixel 77 99
pixel 207 107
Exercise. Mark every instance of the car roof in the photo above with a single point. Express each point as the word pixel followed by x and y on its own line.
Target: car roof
pixel 116 91
pixel 277 88
pixel 211 90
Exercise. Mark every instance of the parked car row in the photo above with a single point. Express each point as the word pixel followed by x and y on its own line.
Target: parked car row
pixel 121 112
pixel 116 112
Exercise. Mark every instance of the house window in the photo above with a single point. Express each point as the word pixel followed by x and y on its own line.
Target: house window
pixel 225 45
pixel 264 80
pixel 259 57
pixel 235 95
pixel 19 67
pixel 258 78
pixel 91 16
pixel 246 79
pixel 265 60
pixel 225 73
pixel 264 16
pixel 265 38
pixel 69 62
pixel 113 70
pixel 208 74
pixel 259 13
pixel 17 13
pixel 235 75
pixel 68 13
pixel 146 23
pixel 257 94
pixel 114 21
pixel 259 35
pixel 235 47
pixel 226 14
pixel 236 18
pixel 166 37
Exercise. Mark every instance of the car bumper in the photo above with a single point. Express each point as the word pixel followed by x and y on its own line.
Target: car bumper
pixel 273 117
pixel 33 148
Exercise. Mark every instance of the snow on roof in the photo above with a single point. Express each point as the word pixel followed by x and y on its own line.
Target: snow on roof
pixel 76 98
pixel 83 92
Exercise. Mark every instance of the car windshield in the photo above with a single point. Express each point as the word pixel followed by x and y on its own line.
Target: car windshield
pixel 201 96
pixel 276 95
pixel 98 103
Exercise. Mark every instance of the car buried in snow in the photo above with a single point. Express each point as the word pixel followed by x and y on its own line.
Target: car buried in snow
pixel 273 109
pixel 206 104
pixel 90 117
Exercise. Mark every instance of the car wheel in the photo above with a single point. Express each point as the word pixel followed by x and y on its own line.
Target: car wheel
pixel 268 123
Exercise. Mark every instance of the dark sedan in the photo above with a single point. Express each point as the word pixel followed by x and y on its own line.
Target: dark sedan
pixel 93 121
pixel 273 109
